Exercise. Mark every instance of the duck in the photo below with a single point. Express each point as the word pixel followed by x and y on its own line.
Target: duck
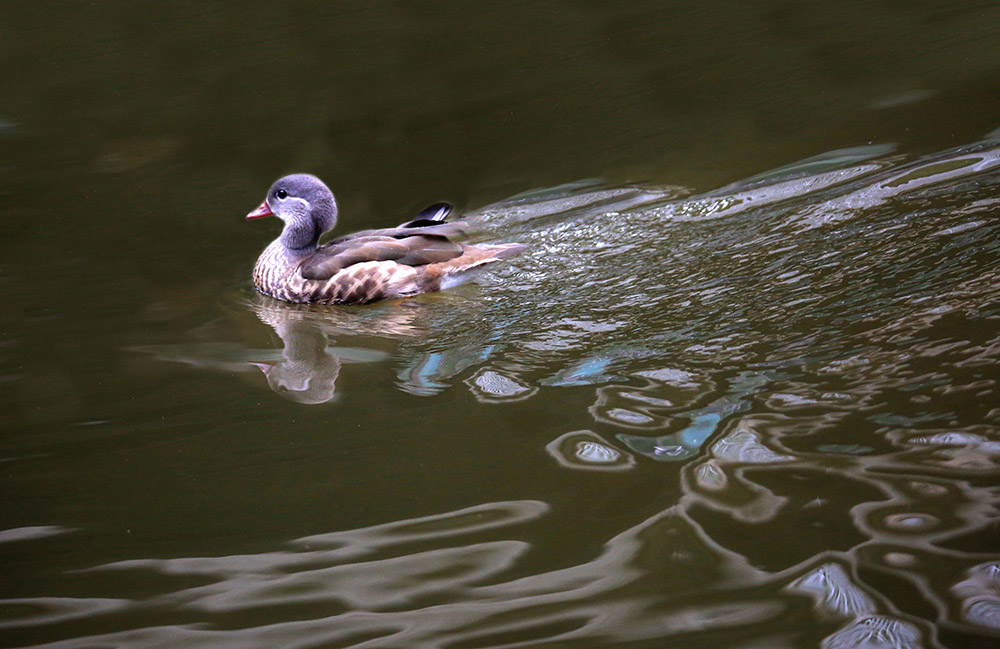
pixel 418 256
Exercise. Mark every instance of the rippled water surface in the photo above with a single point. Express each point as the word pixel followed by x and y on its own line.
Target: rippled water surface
pixel 741 390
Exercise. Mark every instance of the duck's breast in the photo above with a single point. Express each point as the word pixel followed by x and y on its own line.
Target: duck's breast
pixel 274 274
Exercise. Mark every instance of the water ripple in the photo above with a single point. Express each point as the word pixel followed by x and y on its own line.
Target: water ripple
pixel 795 375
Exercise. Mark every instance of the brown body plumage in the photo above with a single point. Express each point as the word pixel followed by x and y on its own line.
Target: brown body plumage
pixel 416 257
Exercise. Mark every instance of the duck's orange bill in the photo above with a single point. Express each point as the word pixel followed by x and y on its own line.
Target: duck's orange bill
pixel 262 210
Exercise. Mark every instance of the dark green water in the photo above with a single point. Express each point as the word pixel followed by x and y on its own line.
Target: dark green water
pixel 741 390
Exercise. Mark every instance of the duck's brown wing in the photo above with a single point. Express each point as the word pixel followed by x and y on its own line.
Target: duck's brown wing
pixel 417 250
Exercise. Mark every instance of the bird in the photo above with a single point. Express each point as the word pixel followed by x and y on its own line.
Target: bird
pixel 418 256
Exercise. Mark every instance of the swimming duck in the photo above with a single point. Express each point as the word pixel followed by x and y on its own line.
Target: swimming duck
pixel 416 257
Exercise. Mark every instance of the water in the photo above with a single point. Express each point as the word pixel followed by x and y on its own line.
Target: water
pixel 740 390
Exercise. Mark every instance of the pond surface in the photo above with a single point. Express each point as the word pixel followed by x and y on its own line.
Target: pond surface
pixel 741 390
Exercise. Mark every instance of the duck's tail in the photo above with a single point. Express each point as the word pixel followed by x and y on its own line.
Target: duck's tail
pixel 461 269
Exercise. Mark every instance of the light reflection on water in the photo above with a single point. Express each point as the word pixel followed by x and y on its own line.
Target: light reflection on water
pixel 815 349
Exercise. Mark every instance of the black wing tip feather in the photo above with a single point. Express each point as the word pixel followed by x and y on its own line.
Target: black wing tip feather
pixel 431 215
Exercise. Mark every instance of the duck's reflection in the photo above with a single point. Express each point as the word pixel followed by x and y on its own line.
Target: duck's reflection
pixel 307 372
pixel 308 369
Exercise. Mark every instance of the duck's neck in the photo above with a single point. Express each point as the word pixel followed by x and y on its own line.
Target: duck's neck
pixel 300 237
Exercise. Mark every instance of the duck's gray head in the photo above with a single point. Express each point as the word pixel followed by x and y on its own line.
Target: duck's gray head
pixel 306 206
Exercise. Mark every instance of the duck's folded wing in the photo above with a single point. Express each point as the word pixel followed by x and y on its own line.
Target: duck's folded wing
pixel 407 230
pixel 416 250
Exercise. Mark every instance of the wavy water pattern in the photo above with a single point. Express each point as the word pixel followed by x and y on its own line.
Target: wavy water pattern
pixel 797 373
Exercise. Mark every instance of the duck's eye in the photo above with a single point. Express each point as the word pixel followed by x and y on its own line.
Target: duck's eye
pixel 281 193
